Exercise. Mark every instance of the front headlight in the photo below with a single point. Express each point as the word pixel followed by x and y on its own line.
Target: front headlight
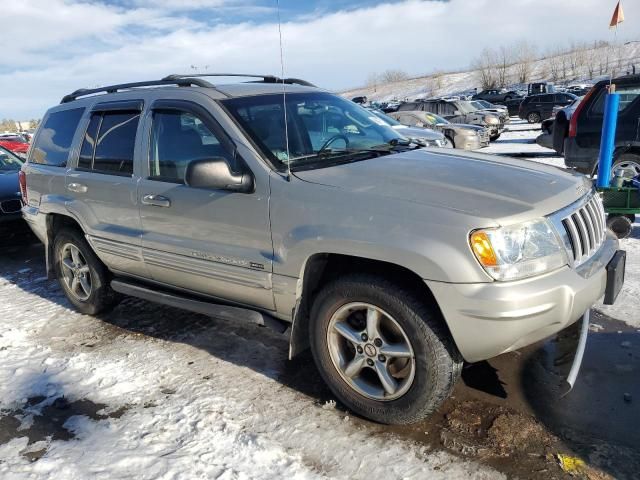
pixel 518 251
pixel 491 120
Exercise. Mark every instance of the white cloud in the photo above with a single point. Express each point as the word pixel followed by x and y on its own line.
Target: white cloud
pixel 59 46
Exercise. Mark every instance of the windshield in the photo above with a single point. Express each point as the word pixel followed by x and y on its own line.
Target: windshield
pixel 8 161
pixel 478 105
pixel 386 118
pixel 322 128
pixel 434 119
pixel 466 107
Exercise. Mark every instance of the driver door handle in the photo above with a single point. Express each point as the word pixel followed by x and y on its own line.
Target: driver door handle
pixel 156 200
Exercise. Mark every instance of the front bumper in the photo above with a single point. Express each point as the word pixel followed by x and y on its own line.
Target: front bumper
pixel 487 319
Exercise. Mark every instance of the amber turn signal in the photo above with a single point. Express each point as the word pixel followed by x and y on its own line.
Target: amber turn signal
pixel 482 249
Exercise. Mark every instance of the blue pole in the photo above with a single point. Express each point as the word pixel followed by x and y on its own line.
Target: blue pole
pixel 607 141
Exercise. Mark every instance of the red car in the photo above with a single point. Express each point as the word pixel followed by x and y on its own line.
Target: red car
pixel 14 144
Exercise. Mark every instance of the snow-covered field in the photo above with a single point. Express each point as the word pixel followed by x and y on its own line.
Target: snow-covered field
pixel 208 401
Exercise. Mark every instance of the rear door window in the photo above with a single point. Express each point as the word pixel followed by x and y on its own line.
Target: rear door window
pixel 111 149
pixel 53 142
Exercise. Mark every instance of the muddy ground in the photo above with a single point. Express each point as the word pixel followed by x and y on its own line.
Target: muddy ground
pixel 512 413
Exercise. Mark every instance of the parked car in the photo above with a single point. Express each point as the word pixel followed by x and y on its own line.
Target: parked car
pixel 15 144
pixel 12 224
pixel 360 100
pixel 536 108
pixel 537 88
pixel 458 111
pixel 585 128
pixel 393 263
pixel 496 95
pixel 462 136
pixel 422 136
pixel 559 128
pixel 483 106
pixel 513 106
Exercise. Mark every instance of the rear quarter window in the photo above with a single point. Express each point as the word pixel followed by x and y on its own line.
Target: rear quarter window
pixel 628 95
pixel 53 142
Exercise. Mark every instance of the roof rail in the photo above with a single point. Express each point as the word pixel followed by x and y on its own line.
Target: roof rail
pixel 181 82
pixel 264 78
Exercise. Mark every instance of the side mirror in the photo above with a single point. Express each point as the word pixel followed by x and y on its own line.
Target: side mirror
pixel 215 173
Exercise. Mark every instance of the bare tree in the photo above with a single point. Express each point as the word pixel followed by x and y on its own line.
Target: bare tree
pixel 390 76
pixel 504 61
pixel 485 67
pixel 554 64
pixel 525 54
pixel 373 80
pixel 8 125
pixel 34 123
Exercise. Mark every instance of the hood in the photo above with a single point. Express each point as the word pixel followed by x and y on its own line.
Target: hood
pixel 9 185
pixel 468 126
pixel 495 190
pixel 417 132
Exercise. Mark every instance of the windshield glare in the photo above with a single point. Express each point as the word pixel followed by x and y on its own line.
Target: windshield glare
pixel 318 126
pixel 435 119
pixel 386 118
pixel 9 162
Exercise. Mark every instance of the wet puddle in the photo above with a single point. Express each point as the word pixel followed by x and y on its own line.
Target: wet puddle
pixel 42 421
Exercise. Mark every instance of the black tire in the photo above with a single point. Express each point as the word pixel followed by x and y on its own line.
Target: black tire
pixel 437 361
pixel 534 117
pixel 493 138
pixel 453 144
pixel 621 225
pixel 102 297
pixel 628 160
pixel 631 217
pixel 507 98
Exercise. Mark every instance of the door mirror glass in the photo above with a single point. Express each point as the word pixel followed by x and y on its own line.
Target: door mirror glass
pixel 215 173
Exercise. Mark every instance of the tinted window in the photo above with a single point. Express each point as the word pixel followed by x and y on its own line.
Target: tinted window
pixel 9 162
pixel 89 142
pixel 178 138
pixel 54 138
pixel 115 143
pixel 628 94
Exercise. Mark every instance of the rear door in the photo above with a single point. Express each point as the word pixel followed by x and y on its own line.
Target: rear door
pixel 103 184
pixel 214 242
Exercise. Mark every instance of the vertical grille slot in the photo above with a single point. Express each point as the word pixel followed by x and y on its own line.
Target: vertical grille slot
pixel 586 229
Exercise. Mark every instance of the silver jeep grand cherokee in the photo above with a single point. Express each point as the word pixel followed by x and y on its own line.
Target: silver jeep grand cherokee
pixel 393 264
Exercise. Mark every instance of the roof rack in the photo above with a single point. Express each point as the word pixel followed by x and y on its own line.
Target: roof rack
pixel 181 82
pixel 264 78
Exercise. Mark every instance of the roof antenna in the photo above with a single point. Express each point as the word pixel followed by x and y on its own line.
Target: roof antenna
pixel 284 96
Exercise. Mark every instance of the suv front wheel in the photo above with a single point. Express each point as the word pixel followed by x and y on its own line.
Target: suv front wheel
pixel 383 352
pixel 82 276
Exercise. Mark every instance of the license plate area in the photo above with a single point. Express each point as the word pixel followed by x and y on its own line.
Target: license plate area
pixel 615 277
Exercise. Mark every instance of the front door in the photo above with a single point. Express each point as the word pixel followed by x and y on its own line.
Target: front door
pixel 208 241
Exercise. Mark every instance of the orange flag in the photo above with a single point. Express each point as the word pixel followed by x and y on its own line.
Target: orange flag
pixel 618 16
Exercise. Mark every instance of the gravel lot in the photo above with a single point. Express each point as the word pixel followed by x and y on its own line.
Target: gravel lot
pixel 152 392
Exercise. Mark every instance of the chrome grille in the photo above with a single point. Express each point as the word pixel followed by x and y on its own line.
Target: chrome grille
pixel 586 229
pixel 10 206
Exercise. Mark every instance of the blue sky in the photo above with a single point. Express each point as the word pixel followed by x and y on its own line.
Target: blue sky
pixel 58 46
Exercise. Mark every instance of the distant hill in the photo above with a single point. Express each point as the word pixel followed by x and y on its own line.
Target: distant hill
pixel 582 64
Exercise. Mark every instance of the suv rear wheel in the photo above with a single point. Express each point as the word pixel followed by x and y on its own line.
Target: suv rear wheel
pixel 82 276
pixel 534 117
pixel 384 353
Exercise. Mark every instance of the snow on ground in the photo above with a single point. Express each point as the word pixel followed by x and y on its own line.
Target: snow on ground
pixel 193 409
pixel 519 138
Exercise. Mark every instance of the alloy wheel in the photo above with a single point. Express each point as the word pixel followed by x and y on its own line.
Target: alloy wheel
pixel 75 272
pixel 371 351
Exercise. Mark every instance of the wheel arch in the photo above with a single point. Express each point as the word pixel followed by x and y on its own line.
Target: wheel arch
pixel 321 268
pixel 55 222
